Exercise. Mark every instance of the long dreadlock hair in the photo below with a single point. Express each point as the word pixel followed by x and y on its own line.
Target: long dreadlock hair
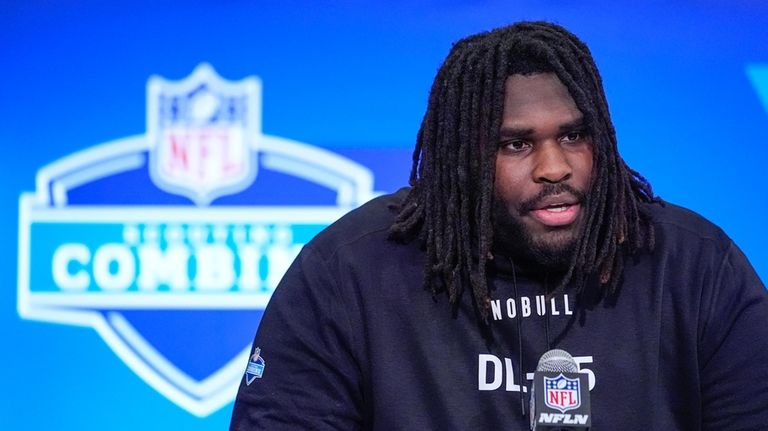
pixel 449 206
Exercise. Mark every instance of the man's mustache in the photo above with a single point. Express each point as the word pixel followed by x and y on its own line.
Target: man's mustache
pixel 550 190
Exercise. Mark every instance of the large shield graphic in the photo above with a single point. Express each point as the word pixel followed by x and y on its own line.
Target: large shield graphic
pixel 111 240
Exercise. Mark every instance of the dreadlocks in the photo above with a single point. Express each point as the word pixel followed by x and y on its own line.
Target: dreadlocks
pixel 449 207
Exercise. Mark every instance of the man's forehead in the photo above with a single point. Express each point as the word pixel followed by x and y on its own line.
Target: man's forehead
pixel 537 98
pixel 534 86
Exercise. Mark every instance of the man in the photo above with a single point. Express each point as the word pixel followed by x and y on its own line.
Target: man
pixel 529 232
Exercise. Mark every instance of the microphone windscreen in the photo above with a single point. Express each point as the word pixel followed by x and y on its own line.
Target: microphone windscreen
pixel 557 360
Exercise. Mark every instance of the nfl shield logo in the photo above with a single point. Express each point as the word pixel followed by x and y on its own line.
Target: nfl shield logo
pixel 562 393
pixel 202 132
pixel 255 367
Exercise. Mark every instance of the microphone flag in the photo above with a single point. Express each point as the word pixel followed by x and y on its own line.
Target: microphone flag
pixel 561 400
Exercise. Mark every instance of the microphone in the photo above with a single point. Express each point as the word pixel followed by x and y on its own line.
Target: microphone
pixel 559 394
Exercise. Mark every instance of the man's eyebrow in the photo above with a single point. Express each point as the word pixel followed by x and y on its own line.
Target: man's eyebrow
pixel 576 124
pixel 522 132
pixel 517 132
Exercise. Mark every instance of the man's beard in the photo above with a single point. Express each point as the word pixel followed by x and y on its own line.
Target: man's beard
pixel 514 240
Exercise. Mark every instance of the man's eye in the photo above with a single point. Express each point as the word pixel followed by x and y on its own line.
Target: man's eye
pixel 515 145
pixel 574 136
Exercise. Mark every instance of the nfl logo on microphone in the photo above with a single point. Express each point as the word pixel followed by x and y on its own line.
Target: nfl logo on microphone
pixel 562 393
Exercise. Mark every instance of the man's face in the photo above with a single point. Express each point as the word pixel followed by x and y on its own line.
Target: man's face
pixel 543 171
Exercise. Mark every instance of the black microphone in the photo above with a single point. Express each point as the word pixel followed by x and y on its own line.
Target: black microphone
pixel 559 394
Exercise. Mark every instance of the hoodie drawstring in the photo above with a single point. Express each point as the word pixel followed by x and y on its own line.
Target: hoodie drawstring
pixel 519 343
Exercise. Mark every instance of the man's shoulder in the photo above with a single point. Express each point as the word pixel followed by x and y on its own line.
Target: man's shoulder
pixel 366 224
pixel 676 222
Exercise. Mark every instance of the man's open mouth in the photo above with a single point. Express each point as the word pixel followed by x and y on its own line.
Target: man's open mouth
pixel 557 214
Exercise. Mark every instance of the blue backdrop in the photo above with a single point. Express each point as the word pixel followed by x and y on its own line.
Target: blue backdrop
pixel 687 85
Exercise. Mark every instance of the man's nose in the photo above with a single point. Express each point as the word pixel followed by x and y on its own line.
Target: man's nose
pixel 552 164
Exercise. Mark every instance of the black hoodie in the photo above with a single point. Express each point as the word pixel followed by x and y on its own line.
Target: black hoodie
pixel 351 340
